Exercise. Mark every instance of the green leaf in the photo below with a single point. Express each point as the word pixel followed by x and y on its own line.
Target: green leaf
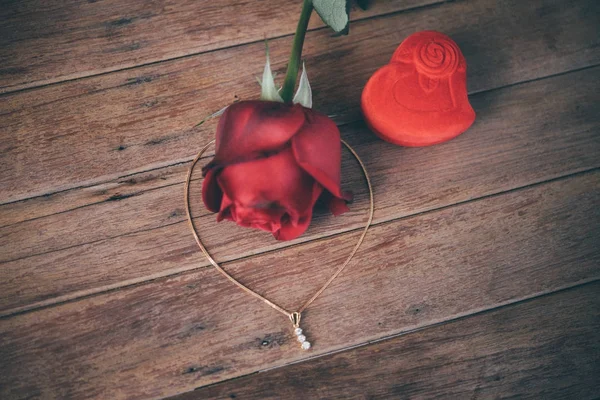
pixel 334 13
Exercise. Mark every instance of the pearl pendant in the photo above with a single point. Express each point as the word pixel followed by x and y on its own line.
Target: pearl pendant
pixel 304 344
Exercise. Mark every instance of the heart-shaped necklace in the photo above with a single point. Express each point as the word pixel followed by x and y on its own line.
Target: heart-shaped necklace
pixel 294 316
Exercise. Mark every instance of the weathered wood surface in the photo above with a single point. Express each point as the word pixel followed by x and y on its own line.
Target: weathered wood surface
pixel 175 334
pixel 131 184
pixel 91 249
pixel 118 189
pixel 68 39
pixel 546 348
pixel 103 293
pixel 93 130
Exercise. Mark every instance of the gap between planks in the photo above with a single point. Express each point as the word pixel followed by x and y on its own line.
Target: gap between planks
pixel 441 322
pixel 181 115
pixel 535 179
pixel 75 296
pixel 141 192
pixel 210 154
pixel 88 74
pixel 549 296
pixel 115 333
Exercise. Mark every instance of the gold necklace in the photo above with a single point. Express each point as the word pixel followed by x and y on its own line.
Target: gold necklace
pixel 295 315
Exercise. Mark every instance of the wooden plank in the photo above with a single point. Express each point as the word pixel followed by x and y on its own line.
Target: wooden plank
pixel 121 188
pixel 500 354
pixel 524 135
pixel 172 335
pixel 51 42
pixel 98 129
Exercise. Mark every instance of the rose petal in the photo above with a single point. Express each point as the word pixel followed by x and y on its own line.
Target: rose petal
pixel 292 229
pixel 251 129
pixel 266 219
pixel 266 189
pixel 275 181
pixel 317 149
pixel 227 210
pixel 211 192
pixel 335 205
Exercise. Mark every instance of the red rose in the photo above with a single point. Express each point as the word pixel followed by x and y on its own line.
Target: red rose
pixel 273 161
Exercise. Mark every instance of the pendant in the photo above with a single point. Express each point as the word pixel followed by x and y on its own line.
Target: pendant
pixel 295 318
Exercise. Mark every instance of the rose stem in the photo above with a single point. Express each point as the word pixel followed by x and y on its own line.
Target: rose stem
pixel 287 91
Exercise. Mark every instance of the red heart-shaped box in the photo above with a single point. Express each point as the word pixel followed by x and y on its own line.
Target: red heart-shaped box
pixel 420 97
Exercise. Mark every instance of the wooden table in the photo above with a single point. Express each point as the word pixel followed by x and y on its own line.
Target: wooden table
pixel 479 279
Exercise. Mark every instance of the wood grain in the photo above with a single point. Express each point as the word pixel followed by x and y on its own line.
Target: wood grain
pixel 524 135
pixel 94 130
pixel 103 293
pixel 172 335
pixel 546 348
pixel 111 191
pixel 46 42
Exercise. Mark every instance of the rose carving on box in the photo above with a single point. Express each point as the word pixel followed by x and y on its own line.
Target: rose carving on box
pixel 420 97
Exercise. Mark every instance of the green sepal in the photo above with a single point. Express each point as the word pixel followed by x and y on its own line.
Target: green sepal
pixel 304 93
pixel 268 90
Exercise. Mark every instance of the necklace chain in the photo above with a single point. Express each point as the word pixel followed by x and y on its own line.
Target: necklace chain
pixel 295 315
